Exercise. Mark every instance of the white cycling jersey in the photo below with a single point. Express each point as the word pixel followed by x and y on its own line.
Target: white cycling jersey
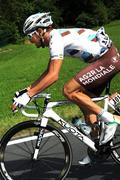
pixel 78 42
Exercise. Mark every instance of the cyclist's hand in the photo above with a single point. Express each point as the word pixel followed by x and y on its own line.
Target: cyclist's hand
pixel 20 99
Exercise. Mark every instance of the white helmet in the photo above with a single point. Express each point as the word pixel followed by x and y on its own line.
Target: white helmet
pixel 37 20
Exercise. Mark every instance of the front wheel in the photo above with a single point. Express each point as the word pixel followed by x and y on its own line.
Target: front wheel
pixel 18 146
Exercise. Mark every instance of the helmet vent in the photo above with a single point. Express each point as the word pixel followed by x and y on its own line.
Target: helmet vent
pixel 28 25
pixel 46 20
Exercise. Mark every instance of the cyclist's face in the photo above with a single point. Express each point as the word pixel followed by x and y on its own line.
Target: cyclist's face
pixel 35 39
pixel 40 38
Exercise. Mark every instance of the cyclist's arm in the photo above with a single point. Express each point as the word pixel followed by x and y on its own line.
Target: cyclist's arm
pixel 50 76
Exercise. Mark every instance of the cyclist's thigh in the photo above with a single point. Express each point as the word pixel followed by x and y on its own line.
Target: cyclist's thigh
pixel 74 86
pixel 95 76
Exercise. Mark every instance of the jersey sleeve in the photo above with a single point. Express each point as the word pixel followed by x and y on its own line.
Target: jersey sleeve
pixel 56 46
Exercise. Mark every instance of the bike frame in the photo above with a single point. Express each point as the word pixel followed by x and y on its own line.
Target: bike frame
pixel 49 113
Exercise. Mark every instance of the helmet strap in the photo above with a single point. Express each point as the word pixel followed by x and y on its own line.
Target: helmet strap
pixel 42 42
pixel 44 31
pixel 42 39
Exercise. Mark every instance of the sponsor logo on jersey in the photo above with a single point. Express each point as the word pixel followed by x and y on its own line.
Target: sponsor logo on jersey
pixel 115 59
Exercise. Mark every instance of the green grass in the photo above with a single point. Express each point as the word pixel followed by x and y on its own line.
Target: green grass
pixel 20 65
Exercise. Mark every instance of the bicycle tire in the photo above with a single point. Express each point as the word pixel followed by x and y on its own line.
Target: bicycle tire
pixel 115 146
pixel 51 164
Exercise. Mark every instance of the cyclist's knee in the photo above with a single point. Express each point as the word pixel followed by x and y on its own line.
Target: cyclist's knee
pixel 69 93
pixel 72 92
pixel 90 118
pixel 66 91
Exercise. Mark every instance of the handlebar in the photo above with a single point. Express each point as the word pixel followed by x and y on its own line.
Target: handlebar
pixel 46 96
pixel 42 95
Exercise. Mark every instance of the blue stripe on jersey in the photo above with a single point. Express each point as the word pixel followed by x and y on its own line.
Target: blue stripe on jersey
pixel 91 37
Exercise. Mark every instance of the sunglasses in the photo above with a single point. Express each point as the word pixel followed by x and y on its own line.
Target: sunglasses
pixel 31 34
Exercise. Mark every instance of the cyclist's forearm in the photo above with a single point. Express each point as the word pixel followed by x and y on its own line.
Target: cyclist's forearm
pixel 42 84
pixel 47 78
pixel 38 80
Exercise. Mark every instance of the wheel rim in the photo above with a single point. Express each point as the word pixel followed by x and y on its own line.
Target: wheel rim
pixel 53 164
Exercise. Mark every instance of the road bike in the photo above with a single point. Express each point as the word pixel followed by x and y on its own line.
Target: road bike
pixel 40 149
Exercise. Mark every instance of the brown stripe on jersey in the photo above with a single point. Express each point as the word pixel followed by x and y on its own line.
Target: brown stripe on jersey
pixel 65 33
pixel 81 31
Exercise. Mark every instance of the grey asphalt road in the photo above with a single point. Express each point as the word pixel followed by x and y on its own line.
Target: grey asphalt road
pixel 108 170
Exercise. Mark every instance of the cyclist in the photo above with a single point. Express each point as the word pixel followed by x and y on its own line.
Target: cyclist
pixel 94 48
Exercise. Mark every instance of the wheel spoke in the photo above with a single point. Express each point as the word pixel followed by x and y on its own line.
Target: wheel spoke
pixel 17 159
pixel 115 146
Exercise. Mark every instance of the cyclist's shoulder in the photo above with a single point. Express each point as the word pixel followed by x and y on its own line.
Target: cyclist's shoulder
pixel 62 32
pixel 77 32
pixel 55 35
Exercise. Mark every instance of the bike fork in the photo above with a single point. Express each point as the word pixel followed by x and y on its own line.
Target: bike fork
pixel 38 142
pixel 43 123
